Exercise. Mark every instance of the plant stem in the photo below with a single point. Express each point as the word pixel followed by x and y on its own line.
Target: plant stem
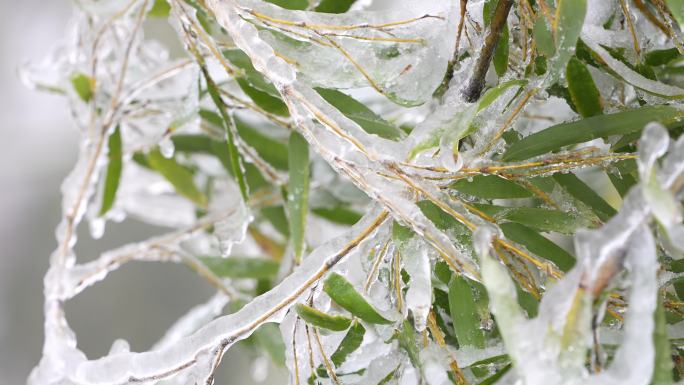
pixel 474 87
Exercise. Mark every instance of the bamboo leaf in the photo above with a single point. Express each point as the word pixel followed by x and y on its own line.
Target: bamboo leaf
pixel 464 313
pixel 543 37
pixel 580 191
pixel 662 371
pixel 113 177
pixel 359 113
pixel 602 126
pixel 538 218
pixel 179 176
pixel 269 338
pixel 344 294
pixel 585 96
pixel 266 101
pixel 242 267
pixel 338 214
pixel 84 86
pixel 322 320
pixel 160 8
pixel 334 6
pixel 298 191
pixel 677 9
pixel 228 126
pixel 501 53
pixel 351 341
pixel 291 4
pixel 570 20
pixel 538 245
pixel 490 187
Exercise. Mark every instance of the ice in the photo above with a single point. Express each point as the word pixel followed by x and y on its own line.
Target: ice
pixel 415 255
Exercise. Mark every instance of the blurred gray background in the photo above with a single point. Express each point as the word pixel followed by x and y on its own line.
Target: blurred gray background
pixel 38 147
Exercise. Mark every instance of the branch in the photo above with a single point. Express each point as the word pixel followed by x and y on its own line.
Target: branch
pixel 473 89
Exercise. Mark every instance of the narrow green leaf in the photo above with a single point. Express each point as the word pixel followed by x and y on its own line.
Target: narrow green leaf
pixel 538 244
pixel 250 74
pixel 407 341
pixel 496 376
pixel 580 191
pixel 179 176
pixel 84 85
pixel 602 126
pixel 114 167
pixel 298 191
pixel 334 6
pixel 349 344
pixel 490 187
pixel 662 371
pixel 538 218
pixel 493 94
pixel 241 267
pixel 501 53
pixel 585 96
pixel 570 19
pixel 160 8
pixel 228 126
pixel 266 101
pixel 359 113
pixel 344 294
pixel 192 143
pixel 543 37
pixel 291 4
pixel 661 57
pixel 276 216
pixel 677 9
pixel 322 320
pixel 269 149
pixel 338 214
pixel 464 313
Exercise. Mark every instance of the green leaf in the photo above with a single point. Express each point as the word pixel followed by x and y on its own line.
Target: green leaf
pixel 543 37
pixel 677 9
pixel 580 191
pixel 291 4
pixel 359 113
pixel 344 294
pixel 334 6
pixel 501 53
pixel 338 214
pixel 349 344
pixel 114 167
pixel 496 376
pixel 298 191
pixel 493 94
pixel 602 126
pixel 322 320
pixel 251 75
pixel 84 86
pixel 179 176
pixel 276 216
pixel 228 123
pixel 242 267
pixel 160 8
pixel 464 313
pixel 662 371
pixel 538 244
pixel 192 143
pixel 538 218
pixel 570 19
pixel 585 96
pixel 490 187
pixel 661 57
pixel 407 341
pixel 266 101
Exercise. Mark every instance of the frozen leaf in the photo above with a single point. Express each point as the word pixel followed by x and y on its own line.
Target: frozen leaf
pixel 351 341
pixel 242 267
pixel 344 294
pixel 113 176
pixel 323 320
pixel 84 86
pixel 464 313
pixel 490 187
pixel 298 191
pixel 585 95
pixel 179 176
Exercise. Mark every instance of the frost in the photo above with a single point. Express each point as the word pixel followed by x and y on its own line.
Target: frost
pixel 117 80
